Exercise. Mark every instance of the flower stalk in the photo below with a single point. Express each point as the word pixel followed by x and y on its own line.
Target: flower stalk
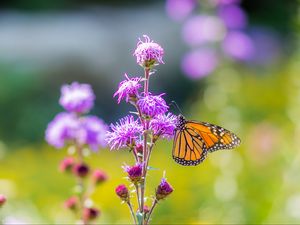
pixel 82 133
pixel 140 134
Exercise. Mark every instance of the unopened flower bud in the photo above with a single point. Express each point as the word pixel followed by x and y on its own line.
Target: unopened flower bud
pixel 99 176
pixel 90 214
pixel 134 172
pixel 81 170
pixel 122 192
pixel 146 209
pixel 66 164
pixel 71 203
pixel 2 200
pixel 163 190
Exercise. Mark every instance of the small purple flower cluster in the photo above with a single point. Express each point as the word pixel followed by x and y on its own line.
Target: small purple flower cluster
pixel 73 126
pixel 81 132
pixel 139 134
pixel 223 29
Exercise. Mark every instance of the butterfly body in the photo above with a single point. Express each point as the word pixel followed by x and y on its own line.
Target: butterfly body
pixel 193 140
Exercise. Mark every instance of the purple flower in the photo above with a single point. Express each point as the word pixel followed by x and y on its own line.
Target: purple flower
pixel 61 129
pixel 164 125
pixel 239 46
pixel 152 105
pixel 128 88
pixel 202 29
pixel 163 190
pixel 199 63
pixel 123 133
pixel 134 172
pixel 92 132
pixel 233 16
pixel 179 9
pixel 77 97
pixel 148 53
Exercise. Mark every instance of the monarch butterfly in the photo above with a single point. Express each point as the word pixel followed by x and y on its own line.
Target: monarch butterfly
pixel 193 140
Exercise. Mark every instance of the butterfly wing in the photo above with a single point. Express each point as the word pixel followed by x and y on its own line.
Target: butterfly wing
pixel 213 136
pixel 188 147
pixel 192 141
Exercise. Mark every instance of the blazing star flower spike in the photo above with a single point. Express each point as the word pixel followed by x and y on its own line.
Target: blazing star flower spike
pixel 152 105
pixel 78 98
pixel 124 133
pixel 134 172
pixel 163 190
pixel 128 89
pixel 148 53
pixel 163 125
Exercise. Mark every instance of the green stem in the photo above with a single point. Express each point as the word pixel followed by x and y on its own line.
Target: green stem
pixel 132 212
pixel 151 210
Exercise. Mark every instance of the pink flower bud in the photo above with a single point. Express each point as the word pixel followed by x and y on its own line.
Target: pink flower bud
pixel 2 200
pixel 71 203
pixel 99 176
pixel 122 192
pixel 66 164
pixel 81 170
pixel 90 214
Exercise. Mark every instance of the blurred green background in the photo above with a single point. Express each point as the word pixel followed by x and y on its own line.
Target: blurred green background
pixel 44 44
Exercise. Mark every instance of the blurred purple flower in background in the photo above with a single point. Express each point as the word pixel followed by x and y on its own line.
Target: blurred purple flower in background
pixel 93 132
pixel 268 43
pixel 202 29
pixel 78 98
pixel 238 46
pixel 69 126
pixel 233 16
pixel 225 2
pixel 61 129
pixel 152 105
pixel 221 26
pixel 199 63
pixel 123 133
pixel 180 9
pixel 128 88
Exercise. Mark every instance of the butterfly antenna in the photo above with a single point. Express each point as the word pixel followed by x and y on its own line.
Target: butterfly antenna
pixel 177 107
